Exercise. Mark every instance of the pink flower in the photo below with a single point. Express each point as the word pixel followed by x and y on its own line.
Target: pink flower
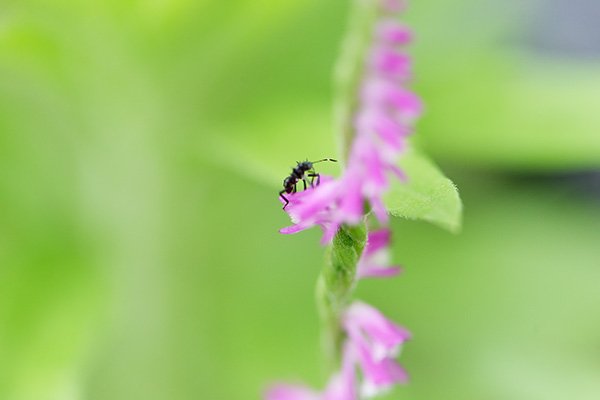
pixel 382 123
pixel 315 206
pixel 388 61
pixel 391 32
pixel 379 376
pixel 383 128
pixel 373 343
pixel 342 386
pixel 393 6
pixel 377 342
pixel 375 259
pixel 291 392
pixel 398 103
pixel 368 328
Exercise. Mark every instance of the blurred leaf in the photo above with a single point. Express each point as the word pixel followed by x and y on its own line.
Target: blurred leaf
pixel 496 100
pixel 427 195
pixel 265 145
pixel 504 112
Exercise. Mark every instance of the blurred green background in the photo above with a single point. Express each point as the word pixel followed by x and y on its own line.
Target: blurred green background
pixel 142 145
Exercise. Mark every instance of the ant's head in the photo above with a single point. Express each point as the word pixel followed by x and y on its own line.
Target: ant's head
pixel 305 164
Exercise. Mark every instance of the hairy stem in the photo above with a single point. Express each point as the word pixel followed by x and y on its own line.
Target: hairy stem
pixel 349 70
pixel 335 286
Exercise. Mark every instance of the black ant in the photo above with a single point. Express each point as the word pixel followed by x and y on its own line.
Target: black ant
pixel 299 173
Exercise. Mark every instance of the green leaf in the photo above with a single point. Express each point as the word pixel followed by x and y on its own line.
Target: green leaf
pixel 426 195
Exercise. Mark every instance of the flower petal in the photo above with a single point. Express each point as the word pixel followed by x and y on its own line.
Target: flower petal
pixel 366 326
pixel 388 61
pixel 290 230
pixel 343 386
pixel 375 271
pixel 377 240
pixel 390 31
pixel 291 392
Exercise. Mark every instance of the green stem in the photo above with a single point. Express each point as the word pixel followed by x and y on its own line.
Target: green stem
pixel 338 277
pixel 335 286
pixel 349 70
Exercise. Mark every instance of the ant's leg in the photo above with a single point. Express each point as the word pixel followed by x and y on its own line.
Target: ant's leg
pixel 304 183
pixel 313 176
pixel 284 198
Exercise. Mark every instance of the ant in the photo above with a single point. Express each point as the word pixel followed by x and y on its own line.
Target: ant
pixel 299 173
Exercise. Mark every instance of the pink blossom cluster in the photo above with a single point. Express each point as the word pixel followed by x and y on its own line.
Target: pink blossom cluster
pixel 372 345
pixel 382 123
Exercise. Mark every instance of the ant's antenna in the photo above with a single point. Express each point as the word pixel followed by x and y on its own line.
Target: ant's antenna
pixel 325 159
